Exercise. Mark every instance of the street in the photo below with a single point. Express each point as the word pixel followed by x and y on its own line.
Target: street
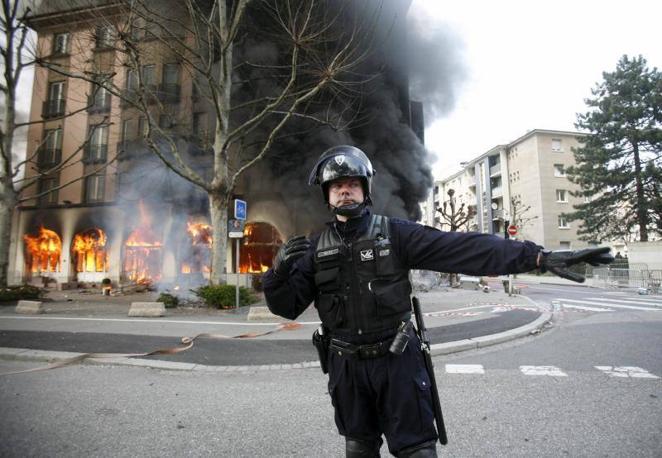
pixel 588 386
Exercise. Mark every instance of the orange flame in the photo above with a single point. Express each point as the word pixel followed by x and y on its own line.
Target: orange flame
pixel 43 251
pixel 201 233
pixel 198 257
pixel 142 260
pixel 260 244
pixel 90 252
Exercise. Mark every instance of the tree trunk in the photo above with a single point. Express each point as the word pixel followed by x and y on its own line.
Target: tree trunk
pixel 7 204
pixel 218 214
pixel 642 214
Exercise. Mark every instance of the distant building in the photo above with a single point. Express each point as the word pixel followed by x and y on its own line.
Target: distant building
pixel 530 170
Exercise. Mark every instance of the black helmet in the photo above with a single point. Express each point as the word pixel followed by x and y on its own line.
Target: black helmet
pixel 342 161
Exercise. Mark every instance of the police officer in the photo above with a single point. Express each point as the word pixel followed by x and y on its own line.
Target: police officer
pixel 357 273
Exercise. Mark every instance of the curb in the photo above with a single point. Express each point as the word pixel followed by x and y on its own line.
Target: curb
pixel 28 355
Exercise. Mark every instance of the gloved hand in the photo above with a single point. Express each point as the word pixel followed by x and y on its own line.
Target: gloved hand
pixel 288 253
pixel 557 262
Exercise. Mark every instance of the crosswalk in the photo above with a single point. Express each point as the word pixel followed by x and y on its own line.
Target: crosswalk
pixel 553 371
pixel 610 304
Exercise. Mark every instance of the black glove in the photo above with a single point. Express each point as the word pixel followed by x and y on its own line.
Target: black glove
pixel 557 262
pixel 288 253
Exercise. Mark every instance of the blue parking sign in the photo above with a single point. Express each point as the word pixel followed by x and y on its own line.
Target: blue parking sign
pixel 240 209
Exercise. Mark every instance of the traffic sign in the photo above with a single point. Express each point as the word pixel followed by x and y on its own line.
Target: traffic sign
pixel 512 230
pixel 235 229
pixel 240 209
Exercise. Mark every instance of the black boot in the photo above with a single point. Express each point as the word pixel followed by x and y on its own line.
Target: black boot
pixel 424 450
pixel 355 448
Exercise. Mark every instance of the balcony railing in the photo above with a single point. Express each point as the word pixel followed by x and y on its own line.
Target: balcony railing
pixel 48 157
pixel 169 93
pixel 497 192
pixel 497 215
pixel 95 154
pixel 129 149
pixel 132 95
pixel 53 108
pixel 495 170
pixel 98 105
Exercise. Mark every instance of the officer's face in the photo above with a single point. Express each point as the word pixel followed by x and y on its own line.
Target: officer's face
pixel 345 191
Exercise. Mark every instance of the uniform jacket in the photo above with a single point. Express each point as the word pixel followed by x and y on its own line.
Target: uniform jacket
pixel 417 247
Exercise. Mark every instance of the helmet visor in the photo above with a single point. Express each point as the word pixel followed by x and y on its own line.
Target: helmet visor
pixel 342 166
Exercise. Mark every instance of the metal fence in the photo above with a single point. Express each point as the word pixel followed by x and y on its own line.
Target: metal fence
pixel 609 277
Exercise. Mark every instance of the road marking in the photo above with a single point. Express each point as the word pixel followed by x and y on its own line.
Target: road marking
pixel 465 369
pixel 649 302
pixel 626 372
pixel 552 371
pixel 584 307
pixel 631 307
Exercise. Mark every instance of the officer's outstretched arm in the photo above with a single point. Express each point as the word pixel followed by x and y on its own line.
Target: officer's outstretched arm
pixel 558 261
pixel 288 253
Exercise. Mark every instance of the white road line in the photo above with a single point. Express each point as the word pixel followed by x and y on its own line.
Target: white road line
pixel 626 372
pixel 632 307
pixel 584 307
pixel 465 369
pixel 552 371
pixel 649 302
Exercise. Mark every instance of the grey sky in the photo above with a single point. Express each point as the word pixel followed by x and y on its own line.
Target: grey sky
pixel 529 65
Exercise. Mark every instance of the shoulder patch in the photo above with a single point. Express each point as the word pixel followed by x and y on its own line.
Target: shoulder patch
pixel 367 255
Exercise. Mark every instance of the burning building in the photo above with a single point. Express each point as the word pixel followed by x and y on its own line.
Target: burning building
pixel 134 220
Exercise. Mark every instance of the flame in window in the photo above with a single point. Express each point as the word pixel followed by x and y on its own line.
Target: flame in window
pixel 43 251
pixel 142 256
pixel 89 249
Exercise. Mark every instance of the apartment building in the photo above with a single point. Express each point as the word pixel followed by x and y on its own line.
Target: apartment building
pixel 523 181
pixel 104 206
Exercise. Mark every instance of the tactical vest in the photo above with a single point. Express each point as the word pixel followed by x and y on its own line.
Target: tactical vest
pixel 362 286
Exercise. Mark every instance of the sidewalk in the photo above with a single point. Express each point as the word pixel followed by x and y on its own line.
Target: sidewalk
pixel 73 319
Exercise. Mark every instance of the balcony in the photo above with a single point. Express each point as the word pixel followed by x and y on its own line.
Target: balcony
pixel 53 108
pixel 497 192
pixel 169 93
pixel 98 105
pixel 130 149
pixel 95 154
pixel 497 215
pixel 130 96
pixel 48 157
pixel 495 170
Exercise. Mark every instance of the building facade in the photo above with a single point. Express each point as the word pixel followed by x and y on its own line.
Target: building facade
pixel 522 183
pixel 104 207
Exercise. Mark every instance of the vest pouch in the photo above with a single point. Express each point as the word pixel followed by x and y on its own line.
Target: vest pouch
pixel 331 310
pixel 327 280
pixel 392 298
pixel 384 258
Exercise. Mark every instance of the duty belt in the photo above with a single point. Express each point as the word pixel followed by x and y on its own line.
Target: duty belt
pixel 367 351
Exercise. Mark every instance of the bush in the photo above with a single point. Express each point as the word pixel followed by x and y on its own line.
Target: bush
pixel 223 296
pixel 106 281
pixel 18 292
pixel 168 300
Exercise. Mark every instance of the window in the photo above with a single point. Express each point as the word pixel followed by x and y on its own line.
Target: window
pixel 559 170
pixel 56 91
pixel 561 195
pixel 171 74
pixel 98 146
pixel 103 37
pixel 126 130
pixel 556 145
pixel 165 121
pixel 149 75
pixel 51 150
pixel 94 188
pixel 131 80
pixel 143 127
pixel 564 245
pixel 137 31
pixel 45 184
pixel 100 99
pixel 60 43
pixel 200 124
pixel 563 223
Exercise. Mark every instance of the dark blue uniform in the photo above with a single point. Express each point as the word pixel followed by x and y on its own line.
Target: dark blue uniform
pixel 390 394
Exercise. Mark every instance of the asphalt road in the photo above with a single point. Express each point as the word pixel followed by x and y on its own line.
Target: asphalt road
pixel 504 408
pixel 216 352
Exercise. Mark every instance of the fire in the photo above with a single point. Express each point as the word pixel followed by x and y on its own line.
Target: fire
pixel 43 251
pixel 199 253
pixel 90 252
pixel 201 233
pixel 142 259
pixel 260 244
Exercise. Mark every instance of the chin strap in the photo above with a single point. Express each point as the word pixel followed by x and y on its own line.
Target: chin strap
pixel 351 210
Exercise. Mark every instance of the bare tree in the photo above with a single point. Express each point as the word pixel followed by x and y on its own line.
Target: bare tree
pixel 520 214
pixel 309 70
pixel 19 175
pixel 455 217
